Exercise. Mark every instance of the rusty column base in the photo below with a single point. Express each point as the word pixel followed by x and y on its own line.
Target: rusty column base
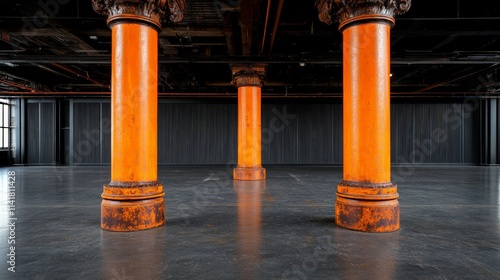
pixel 249 173
pixel 367 207
pixel 132 206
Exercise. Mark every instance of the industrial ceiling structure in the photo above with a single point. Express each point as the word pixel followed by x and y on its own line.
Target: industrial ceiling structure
pixel 62 47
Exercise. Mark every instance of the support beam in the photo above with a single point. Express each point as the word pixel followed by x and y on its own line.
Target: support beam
pixel 366 198
pixel 248 13
pixel 133 200
pixel 248 79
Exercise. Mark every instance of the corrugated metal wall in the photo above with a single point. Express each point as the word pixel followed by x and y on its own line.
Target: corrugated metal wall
pixel 91 143
pixel 196 133
pixel 205 133
pixel 490 133
pixel 40 132
pixel 434 133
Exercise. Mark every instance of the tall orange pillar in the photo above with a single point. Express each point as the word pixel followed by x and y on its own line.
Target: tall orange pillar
pixel 366 198
pixel 248 79
pixel 133 200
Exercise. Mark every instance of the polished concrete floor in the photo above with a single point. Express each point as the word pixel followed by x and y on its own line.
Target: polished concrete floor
pixel 216 229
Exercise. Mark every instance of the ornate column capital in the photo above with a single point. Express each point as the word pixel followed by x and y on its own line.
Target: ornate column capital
pixel 248 74
pixel 348 11
pixel 149 11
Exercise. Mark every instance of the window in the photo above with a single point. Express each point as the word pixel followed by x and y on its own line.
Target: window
pixel 4 123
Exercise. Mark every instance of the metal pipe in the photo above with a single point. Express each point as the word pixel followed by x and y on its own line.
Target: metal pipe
pixel 79 75
pixel 460 94
pixel 105 60
pixel 12 84
pixel 455 79
pixel 265 26
pixel 276 23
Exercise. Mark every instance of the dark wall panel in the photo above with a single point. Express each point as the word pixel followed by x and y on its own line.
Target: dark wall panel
pixel 320 134
pixel 40 130
pixel 33 133
pixel 402 127
pixel 280 133
pixel 106 132
pixel 86 133
pixel 433 133
pixel 206 133
pixel 47 133
pixel 91 132
pixel 470 132
pixel 196 133
pixel 65 126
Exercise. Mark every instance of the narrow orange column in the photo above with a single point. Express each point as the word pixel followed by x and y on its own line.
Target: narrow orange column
pixel 133 200
pixel 366 198
pixel 248 79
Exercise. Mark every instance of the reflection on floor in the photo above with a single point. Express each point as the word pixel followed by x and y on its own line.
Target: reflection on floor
pixel 282 228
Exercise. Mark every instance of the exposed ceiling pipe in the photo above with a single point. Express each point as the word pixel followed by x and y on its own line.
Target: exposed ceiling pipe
pixel 106 60
pixel 461 94
pixel 12 84
pixel 265 27
pixel 79 75
pixel 52 71
pixel 455 79
pixel 276 23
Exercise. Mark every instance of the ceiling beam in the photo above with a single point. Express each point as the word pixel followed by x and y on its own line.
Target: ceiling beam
pixel 228 32
pixel 106 60
pixel 246 23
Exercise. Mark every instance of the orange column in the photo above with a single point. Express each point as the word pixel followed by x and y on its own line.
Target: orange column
pixel 366 198
pixel 248 79
pixel 133 200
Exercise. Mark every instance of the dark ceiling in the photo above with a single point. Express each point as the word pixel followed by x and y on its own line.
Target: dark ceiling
pixel 450 48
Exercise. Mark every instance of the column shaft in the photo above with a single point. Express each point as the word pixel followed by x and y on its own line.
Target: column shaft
pixel 367 103
pixel 249 127
pixel 248 79
pixel 134 103
pixel 134 198
pixel 366 199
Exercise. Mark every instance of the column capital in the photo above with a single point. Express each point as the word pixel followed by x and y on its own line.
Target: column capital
pixel 149 11
pixel 348 11
pixel 248 74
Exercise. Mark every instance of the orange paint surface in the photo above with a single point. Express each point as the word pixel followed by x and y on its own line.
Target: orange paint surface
pixel 249 135
pixel 134 198
pixel 366 199
pixel 367 103
pixel 134 98
pixel 249 126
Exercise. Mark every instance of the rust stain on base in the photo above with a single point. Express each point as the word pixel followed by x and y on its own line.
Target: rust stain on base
pixel 132 215
pixel 249 173
pixel 368 216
